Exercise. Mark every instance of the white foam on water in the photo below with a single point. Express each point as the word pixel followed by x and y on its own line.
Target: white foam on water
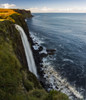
pixel 36 47
pixel 35 38
pixel 68 60
pixel 25 20
pixel 39 42
pixel 43 51
pixel 53 77
pixel 55 80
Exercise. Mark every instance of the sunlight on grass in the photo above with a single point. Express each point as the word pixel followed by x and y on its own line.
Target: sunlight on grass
pixel 2 19
pixel 5 14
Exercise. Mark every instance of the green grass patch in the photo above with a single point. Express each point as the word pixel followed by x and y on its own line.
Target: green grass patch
pixel 56 95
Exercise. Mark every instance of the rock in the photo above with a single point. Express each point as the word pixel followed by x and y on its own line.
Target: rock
pixel 40 48
pixel 51 51
pixel 43 55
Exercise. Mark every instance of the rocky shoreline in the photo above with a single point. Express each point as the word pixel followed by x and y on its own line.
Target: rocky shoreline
pixel 48 77
pixel 39 54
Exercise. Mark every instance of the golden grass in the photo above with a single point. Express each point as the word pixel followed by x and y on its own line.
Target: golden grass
pixel 2 19
pixel 5 14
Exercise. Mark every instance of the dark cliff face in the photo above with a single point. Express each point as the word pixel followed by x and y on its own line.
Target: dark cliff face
pixel 15 79
pixel 16 82
pixel 20 20
pixel 10 34
pixel 25 13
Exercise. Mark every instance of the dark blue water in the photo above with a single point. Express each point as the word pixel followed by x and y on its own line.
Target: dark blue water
pixel 67 34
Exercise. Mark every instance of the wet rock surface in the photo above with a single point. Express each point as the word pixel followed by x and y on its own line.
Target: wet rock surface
pixel 51 51
pixel 38 56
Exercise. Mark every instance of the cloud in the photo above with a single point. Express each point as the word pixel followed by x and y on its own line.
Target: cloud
pixel 73 10
pixel 6 5
pixel 43 9
pixel 58 10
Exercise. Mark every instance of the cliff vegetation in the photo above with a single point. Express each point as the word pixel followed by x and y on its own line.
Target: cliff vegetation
pixel 16 82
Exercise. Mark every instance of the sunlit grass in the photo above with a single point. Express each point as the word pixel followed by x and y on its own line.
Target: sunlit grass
pixel 2 19
pixel 6 13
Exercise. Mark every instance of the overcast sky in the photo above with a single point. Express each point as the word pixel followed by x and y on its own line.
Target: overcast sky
pixel 46 5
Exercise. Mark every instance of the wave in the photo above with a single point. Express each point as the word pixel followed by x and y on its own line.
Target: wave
pixel 58 83
pixel 35 38
pixel 53 78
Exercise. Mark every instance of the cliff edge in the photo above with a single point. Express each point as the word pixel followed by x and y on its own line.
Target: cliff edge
pixel 16 81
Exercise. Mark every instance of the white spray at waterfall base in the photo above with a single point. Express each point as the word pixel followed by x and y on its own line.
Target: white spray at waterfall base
pixel 28 52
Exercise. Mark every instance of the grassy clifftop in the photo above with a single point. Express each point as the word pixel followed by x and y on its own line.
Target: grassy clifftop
pixel 5 14
pixel 16 82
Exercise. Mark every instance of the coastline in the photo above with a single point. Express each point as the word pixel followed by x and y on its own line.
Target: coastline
pixel 28 81
pixel 49 78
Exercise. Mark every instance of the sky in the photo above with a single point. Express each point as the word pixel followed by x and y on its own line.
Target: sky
pixel 44 6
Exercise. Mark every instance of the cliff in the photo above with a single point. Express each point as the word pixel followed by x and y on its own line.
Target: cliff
pixel 16 81
pixel 25 13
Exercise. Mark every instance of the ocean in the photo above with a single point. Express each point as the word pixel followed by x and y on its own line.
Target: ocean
pixel 66 33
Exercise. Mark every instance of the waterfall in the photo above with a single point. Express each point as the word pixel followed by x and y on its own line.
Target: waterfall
pixel 28 52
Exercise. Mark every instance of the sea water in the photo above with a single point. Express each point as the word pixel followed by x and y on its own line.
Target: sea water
pixel 66 33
